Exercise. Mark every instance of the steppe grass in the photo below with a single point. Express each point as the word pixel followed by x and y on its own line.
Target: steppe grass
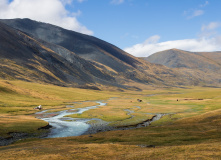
pixel 177 103
pixel 104 113
pixel 132 121
pixel 27 94
pixel 191 130
pixel 63 150
pixel 19 123
pixel 72 106
pixel 18 98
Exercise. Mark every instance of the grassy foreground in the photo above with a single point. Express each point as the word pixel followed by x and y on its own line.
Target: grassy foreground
pixel 18 98
pixel 191 130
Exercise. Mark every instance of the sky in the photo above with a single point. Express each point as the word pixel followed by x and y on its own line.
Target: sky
pixel 140 27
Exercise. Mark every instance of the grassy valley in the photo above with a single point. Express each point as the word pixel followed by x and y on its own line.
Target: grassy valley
pixel 189 130
pixel 18 99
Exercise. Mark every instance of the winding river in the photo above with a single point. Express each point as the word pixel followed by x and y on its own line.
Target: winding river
pixel 65 126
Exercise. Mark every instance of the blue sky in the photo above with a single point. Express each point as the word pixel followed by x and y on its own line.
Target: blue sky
pixel 140 27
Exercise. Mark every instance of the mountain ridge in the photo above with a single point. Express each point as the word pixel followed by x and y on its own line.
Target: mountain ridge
pixel 29 53
pixel 83 45
pixel 55 55
pixel 175 58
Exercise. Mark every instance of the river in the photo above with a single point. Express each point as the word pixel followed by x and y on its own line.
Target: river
pixel 65 126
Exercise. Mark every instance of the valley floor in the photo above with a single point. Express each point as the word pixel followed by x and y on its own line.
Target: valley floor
pixel 190 128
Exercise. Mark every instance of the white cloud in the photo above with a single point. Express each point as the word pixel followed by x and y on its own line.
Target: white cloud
pixel 117 1
pixel 211 26
pixel 66 1
pixel 49 11
pixel 197 13
pixel 209 30
pixel 80 1
pixel 205 4
pixel 193 13
pixel 151 40
pixel 128 35
pixel 76 14
pixel 151 45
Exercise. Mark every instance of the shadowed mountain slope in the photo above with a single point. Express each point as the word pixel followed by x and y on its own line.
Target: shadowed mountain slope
pixel 117 66
pixel 28 58
pixel 87 47
pixel 25 58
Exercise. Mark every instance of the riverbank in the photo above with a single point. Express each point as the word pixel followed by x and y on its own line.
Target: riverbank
pixel 102 126
pixel 95 126
pixel 99 126
pixel 16 136
pixel 59 125
pixel 64 126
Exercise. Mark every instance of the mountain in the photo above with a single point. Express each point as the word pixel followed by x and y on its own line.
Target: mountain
pixel 88 60
pixel 205 66
pixel 215 56
pixel 107 58
pixel 175 58
pixel 44 53
pixel 87 47
pixel 25 58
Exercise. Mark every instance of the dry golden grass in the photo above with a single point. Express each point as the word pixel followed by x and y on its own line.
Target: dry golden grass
pixel 63 149
pixel 71 106
pixel 18 98
pixel 19 123
pixel 84 104
pixel 31 94
pixel 104 113
pixel 191 131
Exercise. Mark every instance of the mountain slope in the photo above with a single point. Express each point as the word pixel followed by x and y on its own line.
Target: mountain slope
pixel 41 52
pixel 28 58
pixel 23 57
pixel 87 47
pixel 175 58
pixel 214 56
pixel 205 67
pixel 105 56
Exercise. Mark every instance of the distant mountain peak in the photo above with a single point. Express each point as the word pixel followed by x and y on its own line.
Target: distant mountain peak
pixel 175 58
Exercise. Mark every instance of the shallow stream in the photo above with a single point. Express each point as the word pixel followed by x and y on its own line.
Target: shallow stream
pixel 65 126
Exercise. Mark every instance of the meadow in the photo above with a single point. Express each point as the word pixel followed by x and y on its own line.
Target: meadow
pixel 191 128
